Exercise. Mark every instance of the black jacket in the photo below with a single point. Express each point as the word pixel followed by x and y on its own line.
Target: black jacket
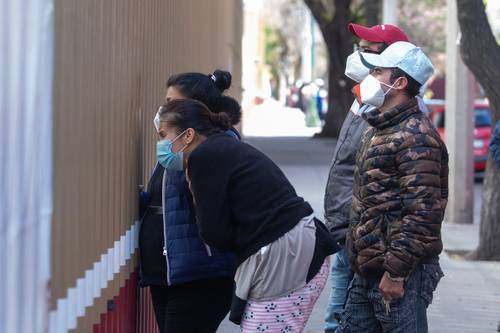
pixel 243 201
pixel 338 193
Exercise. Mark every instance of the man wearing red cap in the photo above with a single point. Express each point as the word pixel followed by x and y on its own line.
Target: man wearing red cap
pixel 382 33
pixel 338 193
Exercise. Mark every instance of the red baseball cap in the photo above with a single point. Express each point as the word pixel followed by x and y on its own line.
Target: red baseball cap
pixel 382 33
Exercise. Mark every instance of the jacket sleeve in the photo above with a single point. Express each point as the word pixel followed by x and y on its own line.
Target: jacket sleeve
pixel 335 203
pixel 339 187
pixel 209 177
pixel 416 233
pixel 495 145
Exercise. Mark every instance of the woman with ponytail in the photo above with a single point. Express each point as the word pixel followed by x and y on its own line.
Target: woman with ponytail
pixel 207 89
pixel 191 283
pixel 245 205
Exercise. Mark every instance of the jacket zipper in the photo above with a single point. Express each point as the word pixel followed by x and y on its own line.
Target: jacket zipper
pixel 165 252
pixel 208 249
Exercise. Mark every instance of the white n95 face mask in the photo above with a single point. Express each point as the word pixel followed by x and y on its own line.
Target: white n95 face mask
pixel 372 93
pixel 355 69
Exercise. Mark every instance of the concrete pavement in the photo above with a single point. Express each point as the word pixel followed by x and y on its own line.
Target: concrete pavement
pixel 468 297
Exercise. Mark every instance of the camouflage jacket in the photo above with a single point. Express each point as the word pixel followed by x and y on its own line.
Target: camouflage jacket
pixel 400 193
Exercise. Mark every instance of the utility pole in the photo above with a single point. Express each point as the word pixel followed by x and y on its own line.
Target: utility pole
pixel 313 49
pixel 307 58
pixel 459 125
pixel 390 12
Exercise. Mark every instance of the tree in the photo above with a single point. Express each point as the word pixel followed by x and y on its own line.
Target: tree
pixel 284 22
pixel 332 17
pixel 480 52
pixel 372 12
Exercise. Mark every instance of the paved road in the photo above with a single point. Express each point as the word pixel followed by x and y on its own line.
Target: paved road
pixel 468 298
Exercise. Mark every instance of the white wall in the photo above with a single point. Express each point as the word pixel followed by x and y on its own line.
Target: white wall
pixel 26 44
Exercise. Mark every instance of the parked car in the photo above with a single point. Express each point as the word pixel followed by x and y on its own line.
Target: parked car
pixel 482 129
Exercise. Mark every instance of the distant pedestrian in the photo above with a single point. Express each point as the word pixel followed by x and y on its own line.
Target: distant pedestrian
pixel 187 278
pixel 245 205
pixel 338 192
pixel 495 145
pixel 399 198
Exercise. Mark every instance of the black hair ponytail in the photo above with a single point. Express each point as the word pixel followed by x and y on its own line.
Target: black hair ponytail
pixel 222 80
pixel 220 120
pixel 208 89
pixel 189 113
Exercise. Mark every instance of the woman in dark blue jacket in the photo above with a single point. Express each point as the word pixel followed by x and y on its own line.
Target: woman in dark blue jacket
pixel 191 283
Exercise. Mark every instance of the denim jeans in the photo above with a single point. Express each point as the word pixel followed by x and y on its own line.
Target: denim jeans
pixel 340 277
pixel 365 311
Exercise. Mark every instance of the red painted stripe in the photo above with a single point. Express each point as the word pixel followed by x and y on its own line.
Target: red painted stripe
pixel 123 318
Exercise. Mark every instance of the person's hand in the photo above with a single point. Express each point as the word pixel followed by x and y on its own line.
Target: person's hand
pixel 391 290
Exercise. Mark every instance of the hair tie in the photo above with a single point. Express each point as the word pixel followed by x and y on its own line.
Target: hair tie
pixel 213 78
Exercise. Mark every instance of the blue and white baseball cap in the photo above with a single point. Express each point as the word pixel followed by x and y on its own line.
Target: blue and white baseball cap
pixel 405 56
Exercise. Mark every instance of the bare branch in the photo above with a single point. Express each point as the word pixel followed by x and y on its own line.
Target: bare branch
pixel 322 10
pixel 479 49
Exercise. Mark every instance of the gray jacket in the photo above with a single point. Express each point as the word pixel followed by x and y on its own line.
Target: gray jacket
pixel 338 193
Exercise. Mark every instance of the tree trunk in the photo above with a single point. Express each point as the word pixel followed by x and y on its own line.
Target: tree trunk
pixel 340 99
pixel 372 12
pixel 332 17
pixel 480 52
pixel 489 230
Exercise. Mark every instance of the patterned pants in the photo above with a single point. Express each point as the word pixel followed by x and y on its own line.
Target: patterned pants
pixel 288 314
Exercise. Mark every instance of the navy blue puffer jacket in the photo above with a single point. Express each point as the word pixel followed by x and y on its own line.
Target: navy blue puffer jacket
pixel 188 257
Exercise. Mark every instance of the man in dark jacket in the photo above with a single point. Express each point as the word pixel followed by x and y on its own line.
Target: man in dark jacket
pixel 399 198
pixel 495 145
pixel 338 193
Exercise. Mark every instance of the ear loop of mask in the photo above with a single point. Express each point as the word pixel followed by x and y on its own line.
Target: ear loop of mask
pixel 177 137
pixel 390 86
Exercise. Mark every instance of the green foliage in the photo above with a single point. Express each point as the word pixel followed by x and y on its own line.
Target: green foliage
pixel 360 11
pixel 272 49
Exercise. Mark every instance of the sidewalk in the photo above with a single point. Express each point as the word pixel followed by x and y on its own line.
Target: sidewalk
pixel 468 297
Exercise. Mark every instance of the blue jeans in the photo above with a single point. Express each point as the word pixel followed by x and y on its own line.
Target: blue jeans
pixel 340 277
pixel 365 311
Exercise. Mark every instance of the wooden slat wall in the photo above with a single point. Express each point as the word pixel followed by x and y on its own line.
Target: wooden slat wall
pixel 111 61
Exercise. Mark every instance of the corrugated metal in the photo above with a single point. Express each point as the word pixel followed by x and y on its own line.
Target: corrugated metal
pixel 112 59
pixel 26 41
pixel 146 322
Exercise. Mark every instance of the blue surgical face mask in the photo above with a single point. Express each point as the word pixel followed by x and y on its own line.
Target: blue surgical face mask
pixel 166 157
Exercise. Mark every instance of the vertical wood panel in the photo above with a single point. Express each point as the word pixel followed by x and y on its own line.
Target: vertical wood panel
pixel 112 60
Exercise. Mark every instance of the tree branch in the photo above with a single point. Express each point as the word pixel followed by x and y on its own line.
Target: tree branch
pixel 372 12
pixel 479 49
pixel 322 10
